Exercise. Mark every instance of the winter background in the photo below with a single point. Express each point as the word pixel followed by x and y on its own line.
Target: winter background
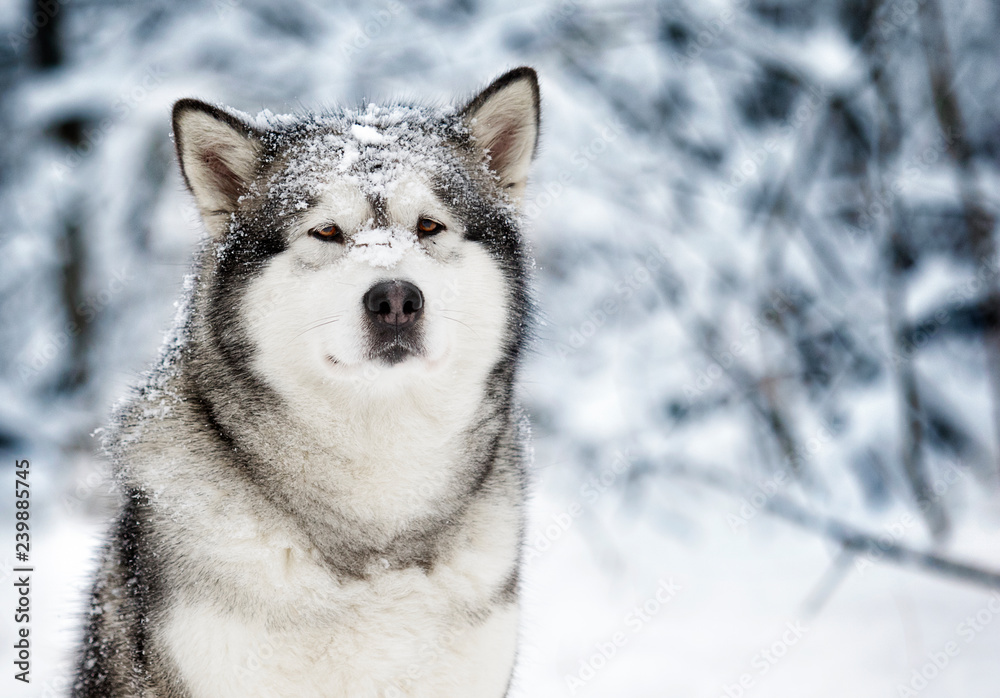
pixel 765 391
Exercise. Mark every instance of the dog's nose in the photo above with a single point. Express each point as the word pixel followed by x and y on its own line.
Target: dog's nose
pixel 394 303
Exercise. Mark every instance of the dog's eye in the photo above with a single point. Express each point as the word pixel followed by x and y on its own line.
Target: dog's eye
pixel 427 226
pixel 328 233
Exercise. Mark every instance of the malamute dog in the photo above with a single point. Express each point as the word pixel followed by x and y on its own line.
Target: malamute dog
pixel 323 479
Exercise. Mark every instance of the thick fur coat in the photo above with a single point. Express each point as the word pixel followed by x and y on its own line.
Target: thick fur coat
pixel 323 479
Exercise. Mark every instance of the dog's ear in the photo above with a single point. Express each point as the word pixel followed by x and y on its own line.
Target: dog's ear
pixel 218 154
pixel 503 119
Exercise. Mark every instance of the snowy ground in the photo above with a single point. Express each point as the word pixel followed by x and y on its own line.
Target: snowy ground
pixel 613 607
pixel 739 613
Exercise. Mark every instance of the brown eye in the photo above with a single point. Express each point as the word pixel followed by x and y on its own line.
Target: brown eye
pixel 426 226
pixel 328 233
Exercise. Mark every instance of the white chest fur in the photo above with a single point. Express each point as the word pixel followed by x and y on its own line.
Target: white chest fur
pixel 258 614
pixel 399 645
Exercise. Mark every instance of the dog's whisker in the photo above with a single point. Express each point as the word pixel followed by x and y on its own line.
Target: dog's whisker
pixel 317 325
pixel 462 324
pixel 324 319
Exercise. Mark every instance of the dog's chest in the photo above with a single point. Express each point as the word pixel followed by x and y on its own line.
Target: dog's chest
pixel 280 623
pixel 384 643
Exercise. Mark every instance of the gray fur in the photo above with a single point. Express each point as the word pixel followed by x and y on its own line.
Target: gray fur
pixel 208 427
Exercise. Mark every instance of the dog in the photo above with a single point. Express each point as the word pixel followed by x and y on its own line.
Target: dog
pixel 323 478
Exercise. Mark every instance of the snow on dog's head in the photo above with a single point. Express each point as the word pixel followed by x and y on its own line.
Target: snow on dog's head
pixel 366 249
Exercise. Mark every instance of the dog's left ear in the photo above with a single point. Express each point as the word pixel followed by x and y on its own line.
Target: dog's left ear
pixel 503 119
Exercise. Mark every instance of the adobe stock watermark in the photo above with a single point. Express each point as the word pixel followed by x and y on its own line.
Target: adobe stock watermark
pixel 765 490
pixel 224 8
pixel 581 158
pixel 751 166
pixel 654 260
pixel 765 660
pixel 254 658
pixel 39 19
pixel 986 274
pixel 98 480
pixel 87 310
pixel 559 13
pixel 939 660
pixel 123 106
pixel 590 492
pixel 56 686
pixel 988 271
pixel 896 530
pixel 429 653
pixel 634 622
pixel 372 27
pixel 750 334
pixel 709 32
pixel 911 169
pixel 752 504
pixel 894 16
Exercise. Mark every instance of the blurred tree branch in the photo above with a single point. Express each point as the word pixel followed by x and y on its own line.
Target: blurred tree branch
pixel 897 261
pixel 851 538
pixel 979 221
pixel 46 17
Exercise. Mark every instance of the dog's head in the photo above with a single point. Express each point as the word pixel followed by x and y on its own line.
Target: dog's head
pixel 371 247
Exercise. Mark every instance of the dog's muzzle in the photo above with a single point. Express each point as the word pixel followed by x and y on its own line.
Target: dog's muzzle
pixel 394 309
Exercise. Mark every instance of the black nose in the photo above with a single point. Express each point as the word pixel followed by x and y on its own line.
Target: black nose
pixel 394 303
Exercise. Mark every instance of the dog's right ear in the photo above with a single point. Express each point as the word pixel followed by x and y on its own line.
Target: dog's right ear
pixel 219 155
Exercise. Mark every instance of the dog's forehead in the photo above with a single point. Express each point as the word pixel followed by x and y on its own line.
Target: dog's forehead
pixel 382 153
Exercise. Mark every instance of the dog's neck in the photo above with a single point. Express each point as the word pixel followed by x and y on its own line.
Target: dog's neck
pixel 387 462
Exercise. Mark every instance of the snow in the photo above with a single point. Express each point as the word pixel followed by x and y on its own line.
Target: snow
pixel 373 148
pixel 382 248
pixel 367 135
pixel 733 609
pixel 643 148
